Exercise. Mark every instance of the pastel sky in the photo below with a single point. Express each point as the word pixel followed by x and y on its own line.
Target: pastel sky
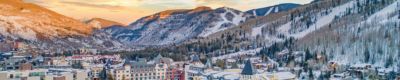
pixel 127 11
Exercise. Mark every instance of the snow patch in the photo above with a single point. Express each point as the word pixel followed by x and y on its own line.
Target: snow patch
pixel 284 29
pixel 383 14
pixel 247 52
pixel 11 27
pixel 219 25
pixel 95 24
pixel 269 11
pixel 324 20
pixel 256 31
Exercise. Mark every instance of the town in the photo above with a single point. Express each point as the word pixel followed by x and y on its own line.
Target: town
pixel 89 65
pixel 199 40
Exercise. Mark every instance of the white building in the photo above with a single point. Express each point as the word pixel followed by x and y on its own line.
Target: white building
pixel 142 70
pixel 17 74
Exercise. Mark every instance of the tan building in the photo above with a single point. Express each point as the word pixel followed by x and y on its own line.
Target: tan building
pixel 27 74
pixel 95 70
pixel 31 78
pixel 81 75
pixel 59 78
pixel 25 66
pixel 141 71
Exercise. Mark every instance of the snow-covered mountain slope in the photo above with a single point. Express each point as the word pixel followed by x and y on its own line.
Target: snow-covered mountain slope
pixel 341 29
pixel 369 39
pixel 272 9
pixel 122 33
pixel 44 30
pixel 174 26
pixel 100 23
pixel 347 31
pixel 32 22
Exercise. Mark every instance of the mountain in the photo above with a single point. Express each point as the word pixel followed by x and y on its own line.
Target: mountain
pixel 34 27
pixel 40 28
pixel 175 26
pixel 272 9
pixel 100 23
pixel 336 29
pixel 32 22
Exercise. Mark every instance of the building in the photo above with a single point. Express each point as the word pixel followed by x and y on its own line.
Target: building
pixel 14 62
pixel 81 75
pixel 59 78
pixel 26 74
pixel 25 66
pixel 248 72
pixel 157 69
pixel 95 71
pixel 66 74
pixel 194 69
pixel 88 51
pixel 141 71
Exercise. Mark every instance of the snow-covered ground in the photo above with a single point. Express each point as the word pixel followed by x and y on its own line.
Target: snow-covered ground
pixel 256 31
pixel 324 20
pixel 237 18
pixel 246 52
pixel 13 29
pixel 383 15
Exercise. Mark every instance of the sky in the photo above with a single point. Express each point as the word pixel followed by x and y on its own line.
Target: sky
pixel 127 11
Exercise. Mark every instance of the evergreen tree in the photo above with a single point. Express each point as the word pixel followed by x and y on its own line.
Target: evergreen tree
pixel 310 74
pixel 366 55
pixel 398 9
pixel 308 54
pixel 103 74
pixel 389 62
pixel 391 75
pixel 342 52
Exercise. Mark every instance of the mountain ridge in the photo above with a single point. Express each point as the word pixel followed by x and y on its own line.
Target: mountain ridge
pixel 272 9
pixel 100 23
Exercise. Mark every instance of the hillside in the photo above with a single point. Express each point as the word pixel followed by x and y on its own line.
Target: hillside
pixel 38 29
pixel 272 9
pixel 335 29
pixel 32 22
pixel 176 26
pixel 100 23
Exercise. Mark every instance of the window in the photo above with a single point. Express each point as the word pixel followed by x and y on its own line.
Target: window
pixel 11 76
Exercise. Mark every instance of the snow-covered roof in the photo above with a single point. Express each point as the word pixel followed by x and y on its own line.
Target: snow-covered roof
pixel 285 75
pixel 360 65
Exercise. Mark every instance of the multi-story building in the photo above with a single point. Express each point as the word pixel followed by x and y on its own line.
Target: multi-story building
pixel 141 71
pixel 95 71
pixel 81 75
pixel 26 74
pixel 157 69
pixel 14 62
